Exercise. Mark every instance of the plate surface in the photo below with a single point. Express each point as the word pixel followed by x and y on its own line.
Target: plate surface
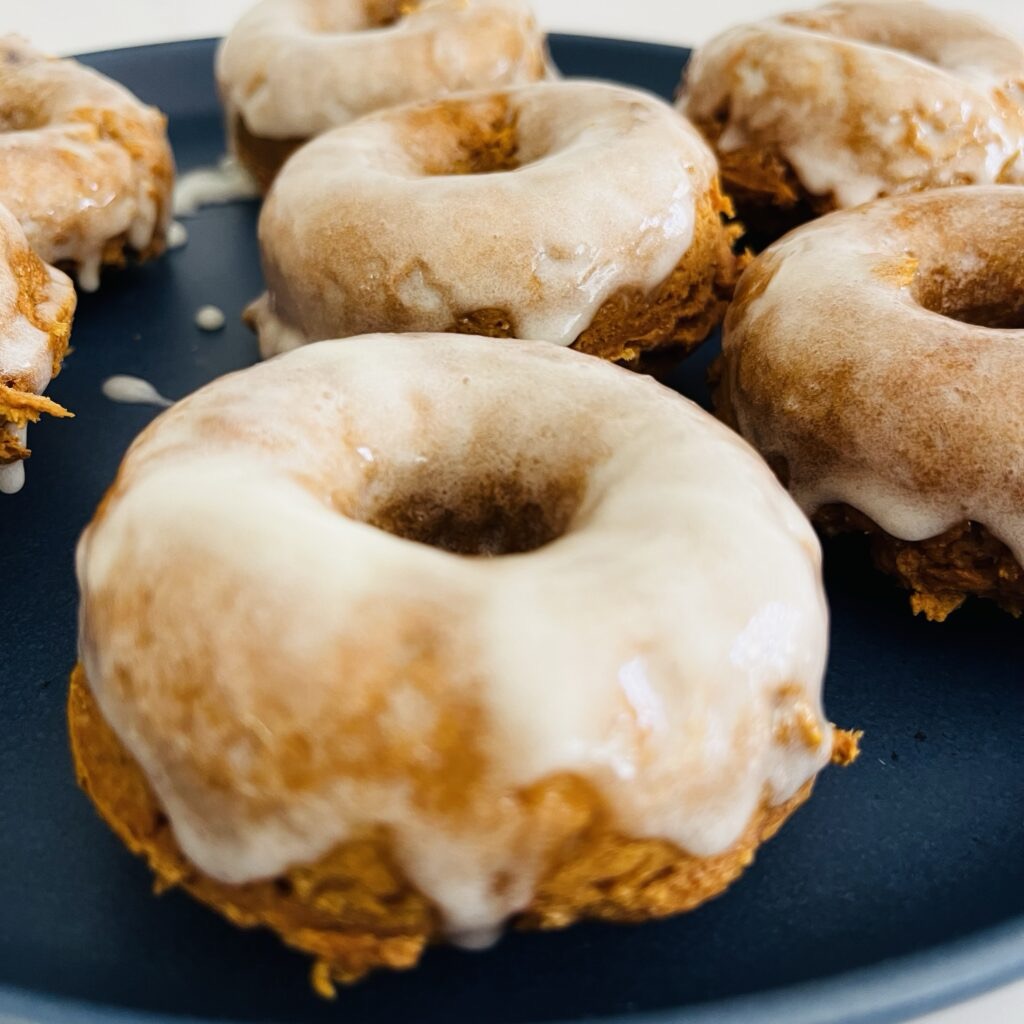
pixel 899 887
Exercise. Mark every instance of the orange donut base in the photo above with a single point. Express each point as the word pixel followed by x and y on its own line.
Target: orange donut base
pixel 354 911
pixel 941 572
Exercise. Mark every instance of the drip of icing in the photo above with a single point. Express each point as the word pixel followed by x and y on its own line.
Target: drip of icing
pixel 476 940
pixel 12 477
pixel 228 182
pixel 130 390
pixel 88 274
pixel 177 235
pixel 295 622
pixel 209 318
pixel 275 336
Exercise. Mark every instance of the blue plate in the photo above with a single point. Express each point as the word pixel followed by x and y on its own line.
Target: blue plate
pixel 898 888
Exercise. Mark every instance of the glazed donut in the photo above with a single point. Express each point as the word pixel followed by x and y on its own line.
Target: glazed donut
pixel 305 697
pixel 578 213
pixel 873 358
pixel 832 107
pixel 84 166
pixel 37 303
pixel 292 69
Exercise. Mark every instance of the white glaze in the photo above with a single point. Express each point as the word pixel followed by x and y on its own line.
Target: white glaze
pixel 209 318
pixel 74 186
pixel 228 182
pixel 129 390
pixel 868 99
pixel 12 474
pixel 26 351
pixel 644 651
pixel 294 68
pixel 923 430
pixel 356 234
pixel 177 235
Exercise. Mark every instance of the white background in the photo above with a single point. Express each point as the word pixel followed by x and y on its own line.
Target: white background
pixel 77 26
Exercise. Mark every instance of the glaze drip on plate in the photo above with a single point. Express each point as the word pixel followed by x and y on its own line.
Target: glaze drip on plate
pixel 131 390
pixel 227 182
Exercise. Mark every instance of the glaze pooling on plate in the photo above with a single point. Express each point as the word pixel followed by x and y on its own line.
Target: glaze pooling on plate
pixel 130 390
pixel 84 166
pixel 842 368
pixel 210 318
pixel 868 99
pixel 177 235
pixel 702 702
pixel 426 243
pixel 292 69
pixel 226 182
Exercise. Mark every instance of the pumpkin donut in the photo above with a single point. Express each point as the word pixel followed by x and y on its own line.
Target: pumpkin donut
pixel 375 674
pixel 874 358
pixel 584 214
pixel 824 109
pixel 292 69
pixel 84 165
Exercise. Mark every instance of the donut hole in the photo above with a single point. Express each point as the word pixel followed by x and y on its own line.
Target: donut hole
pixel 485 517
pixel 994 298
pixel 385 13
pixel 330 19
pixel 455 137
pixel 21 117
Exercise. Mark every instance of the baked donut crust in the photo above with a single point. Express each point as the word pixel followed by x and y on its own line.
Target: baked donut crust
pixel 293 69
pixel 84 166
pixel 476 215
pixel 941 572
pixel 354 911
pixel 827 108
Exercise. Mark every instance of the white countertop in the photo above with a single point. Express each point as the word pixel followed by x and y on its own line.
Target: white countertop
pixel 70 26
